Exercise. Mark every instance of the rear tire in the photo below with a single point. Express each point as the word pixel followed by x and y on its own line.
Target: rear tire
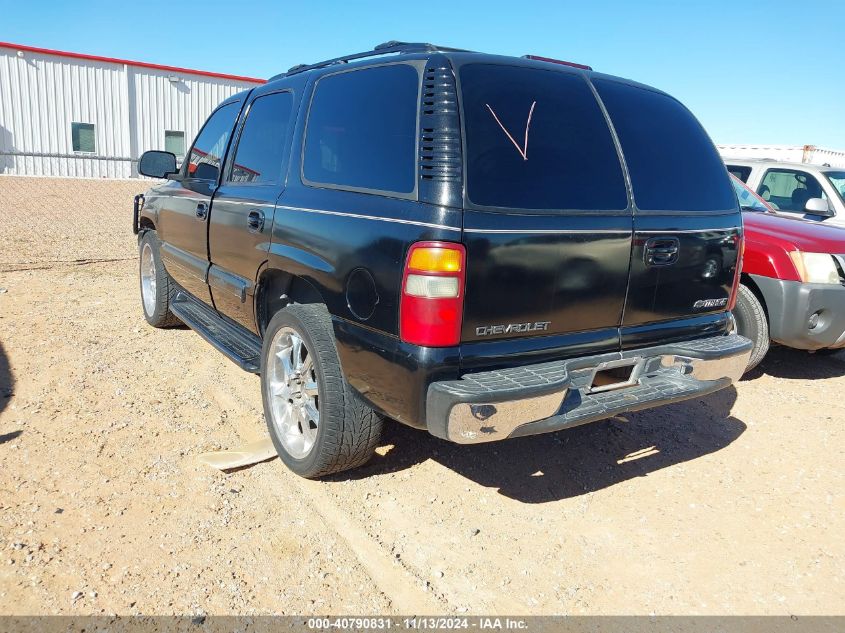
pixel 157 288
pixel 318 424
pixel 751 322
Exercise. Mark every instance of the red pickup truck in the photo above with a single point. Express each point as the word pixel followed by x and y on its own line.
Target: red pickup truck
pixel 793 280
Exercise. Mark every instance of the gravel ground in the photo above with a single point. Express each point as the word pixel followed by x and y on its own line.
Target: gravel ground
pixel 728 504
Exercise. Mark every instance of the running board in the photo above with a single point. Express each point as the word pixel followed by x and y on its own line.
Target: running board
pixel 240 345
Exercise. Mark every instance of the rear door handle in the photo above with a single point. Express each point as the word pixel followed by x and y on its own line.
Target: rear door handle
pixel 662 251
pixel 202 210
pixel 255 221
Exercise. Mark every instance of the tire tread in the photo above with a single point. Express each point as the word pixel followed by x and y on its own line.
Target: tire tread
pixel 351 433
pixel 162 317
pixel 751 313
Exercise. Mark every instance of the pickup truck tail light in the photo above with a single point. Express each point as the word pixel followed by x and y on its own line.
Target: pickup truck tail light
pixel 740 255
pixel 431 307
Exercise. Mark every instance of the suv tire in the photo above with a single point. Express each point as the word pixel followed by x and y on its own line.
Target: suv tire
pixel 157 288
pixel 751 322
pixel 318 424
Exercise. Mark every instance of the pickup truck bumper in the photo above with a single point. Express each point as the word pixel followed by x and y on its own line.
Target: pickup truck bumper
pixel 494 405
pixel 790 306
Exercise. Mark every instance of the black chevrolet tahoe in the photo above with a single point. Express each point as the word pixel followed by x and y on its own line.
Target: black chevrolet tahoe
pixel 483 247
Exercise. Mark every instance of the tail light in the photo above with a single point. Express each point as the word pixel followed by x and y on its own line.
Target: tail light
pixel 432 301
pixel 739 257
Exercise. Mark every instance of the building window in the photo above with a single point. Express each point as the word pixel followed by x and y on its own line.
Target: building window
pixel 82 137
pixel 174 142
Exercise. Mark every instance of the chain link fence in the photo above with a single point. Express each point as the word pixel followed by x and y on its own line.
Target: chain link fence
pixel 45 221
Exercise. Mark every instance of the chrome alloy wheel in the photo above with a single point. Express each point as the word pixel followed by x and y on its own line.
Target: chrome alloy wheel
pixel 148 279
pixel 292 393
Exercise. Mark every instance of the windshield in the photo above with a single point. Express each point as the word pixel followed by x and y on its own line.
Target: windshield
pixel 748 200
pixel 837 179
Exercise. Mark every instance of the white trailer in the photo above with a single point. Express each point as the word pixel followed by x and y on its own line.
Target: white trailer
pixel 809 154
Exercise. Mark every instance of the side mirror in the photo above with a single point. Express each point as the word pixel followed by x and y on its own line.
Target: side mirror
pixel 156 164
pixel 818 206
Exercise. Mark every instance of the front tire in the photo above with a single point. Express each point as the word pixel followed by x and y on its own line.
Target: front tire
pixel 157 288
pixel 318 424
pixel 751 322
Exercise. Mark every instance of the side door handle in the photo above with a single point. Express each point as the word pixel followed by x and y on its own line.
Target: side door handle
pixel 662 251
pixel 202 210
pixel 255 221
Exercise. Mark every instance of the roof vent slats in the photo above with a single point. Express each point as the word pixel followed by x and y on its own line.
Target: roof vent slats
pixel 440 138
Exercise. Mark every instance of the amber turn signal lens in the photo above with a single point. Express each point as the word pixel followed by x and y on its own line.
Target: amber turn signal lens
pixel 435 260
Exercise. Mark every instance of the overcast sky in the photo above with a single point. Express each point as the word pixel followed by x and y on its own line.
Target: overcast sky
pixel 753 72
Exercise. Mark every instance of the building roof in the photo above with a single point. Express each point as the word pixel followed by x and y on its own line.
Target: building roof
pixel 128 62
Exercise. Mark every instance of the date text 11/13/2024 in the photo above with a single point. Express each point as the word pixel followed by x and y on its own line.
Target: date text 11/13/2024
pixel 418 623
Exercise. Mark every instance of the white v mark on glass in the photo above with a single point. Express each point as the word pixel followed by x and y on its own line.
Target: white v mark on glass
pixel 523 151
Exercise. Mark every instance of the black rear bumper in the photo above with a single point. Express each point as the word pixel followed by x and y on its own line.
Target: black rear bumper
pixel 494 405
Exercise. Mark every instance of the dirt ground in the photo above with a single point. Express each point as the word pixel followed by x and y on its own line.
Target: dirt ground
pixel 728 504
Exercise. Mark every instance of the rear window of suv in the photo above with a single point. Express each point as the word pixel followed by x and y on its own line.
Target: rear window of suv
pixel 537 140
pixel 673 164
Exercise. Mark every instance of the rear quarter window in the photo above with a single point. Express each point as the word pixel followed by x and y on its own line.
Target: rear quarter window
pixel 362 128
pixel 672 162
pixel 537 140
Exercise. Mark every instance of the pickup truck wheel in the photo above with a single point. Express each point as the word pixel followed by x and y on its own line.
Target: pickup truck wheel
pixel 318 424
pixel 157 289
pixel 751 323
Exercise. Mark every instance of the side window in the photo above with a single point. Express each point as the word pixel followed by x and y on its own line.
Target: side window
pixel 789 189
pixel 174 142
pixel 261 146
pixel 362 129
pixel 673 164
pixel 740 172
pixel 82 137
pixel 207 152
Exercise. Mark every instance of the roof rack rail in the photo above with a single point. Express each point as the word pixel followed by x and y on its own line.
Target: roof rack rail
pixel 386 48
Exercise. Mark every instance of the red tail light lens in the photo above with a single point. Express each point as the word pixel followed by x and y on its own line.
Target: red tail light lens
pixel 739 257
pixel 431 307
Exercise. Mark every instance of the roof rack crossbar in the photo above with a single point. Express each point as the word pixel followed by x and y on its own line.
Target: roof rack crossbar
pixel 386 48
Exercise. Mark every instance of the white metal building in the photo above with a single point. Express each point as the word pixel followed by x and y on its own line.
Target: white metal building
pixel 790 153
pixel 69 114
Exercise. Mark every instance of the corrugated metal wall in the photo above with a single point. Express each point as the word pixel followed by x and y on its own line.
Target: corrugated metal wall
pixel 130 107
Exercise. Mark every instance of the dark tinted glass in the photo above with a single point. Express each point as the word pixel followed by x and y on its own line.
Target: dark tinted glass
pixel 740 172
pixel 259 156
pixel 536 139
pixel 673 164
pixel 208 149
pixel 362 129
